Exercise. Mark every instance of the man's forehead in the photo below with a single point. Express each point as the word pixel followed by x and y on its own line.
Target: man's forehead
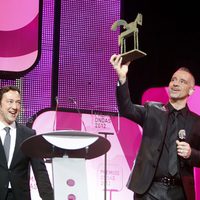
pixel 11 94
pixel 182 74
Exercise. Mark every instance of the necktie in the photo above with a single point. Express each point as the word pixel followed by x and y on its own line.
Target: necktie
pixel 173 158
pixel 7 142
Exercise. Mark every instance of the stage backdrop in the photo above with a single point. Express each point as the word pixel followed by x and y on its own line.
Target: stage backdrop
pixel 70 58
pixel 70 61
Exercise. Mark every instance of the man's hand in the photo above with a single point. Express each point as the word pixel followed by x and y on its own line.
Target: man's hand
pixel 121 70
pixel 183 148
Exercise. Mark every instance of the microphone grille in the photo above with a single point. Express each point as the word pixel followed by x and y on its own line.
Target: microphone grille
pixel 182 134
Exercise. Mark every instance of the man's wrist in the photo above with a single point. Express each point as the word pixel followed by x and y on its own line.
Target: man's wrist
pixel 122 80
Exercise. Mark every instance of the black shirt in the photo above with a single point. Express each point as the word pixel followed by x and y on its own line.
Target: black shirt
pixel 162 169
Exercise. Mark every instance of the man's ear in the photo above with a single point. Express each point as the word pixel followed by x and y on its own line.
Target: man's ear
pixel 191 91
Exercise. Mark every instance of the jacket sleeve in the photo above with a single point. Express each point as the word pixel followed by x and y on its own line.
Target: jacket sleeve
pixel 126 108
pixel 42 179
pixel 193 140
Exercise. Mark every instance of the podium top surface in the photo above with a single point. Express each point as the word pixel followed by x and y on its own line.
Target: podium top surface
pixel 74 144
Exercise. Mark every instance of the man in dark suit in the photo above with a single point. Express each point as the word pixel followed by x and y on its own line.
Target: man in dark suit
pixel 14 164
pixel 164 165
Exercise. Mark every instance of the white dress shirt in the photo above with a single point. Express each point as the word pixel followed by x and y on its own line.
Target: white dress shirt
pixel 12 141
pixel 12 136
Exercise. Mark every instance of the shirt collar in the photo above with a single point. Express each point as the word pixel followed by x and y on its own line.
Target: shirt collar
pixel 12 126
pixel 182 111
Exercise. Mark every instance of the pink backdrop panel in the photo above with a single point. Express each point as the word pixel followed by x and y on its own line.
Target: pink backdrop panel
pixel 19 25
pixel 125 139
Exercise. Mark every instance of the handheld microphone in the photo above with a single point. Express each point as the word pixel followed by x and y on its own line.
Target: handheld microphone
pixel 56 99
pixel 182 135
pixel 72 100
pixel 55 118
pixel 118 120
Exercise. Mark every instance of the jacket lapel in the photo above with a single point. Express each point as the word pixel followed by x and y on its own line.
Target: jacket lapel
pixel 19 139
pixel 163 123
pixel 3 161
pixel 188 127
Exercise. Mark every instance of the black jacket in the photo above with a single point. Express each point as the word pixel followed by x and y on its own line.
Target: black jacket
pixel 152 117
pixel 19 172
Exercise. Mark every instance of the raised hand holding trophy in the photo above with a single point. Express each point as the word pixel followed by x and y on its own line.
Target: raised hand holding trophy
pixel 131 30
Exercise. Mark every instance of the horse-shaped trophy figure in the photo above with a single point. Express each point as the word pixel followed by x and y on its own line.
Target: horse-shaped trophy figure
pixel 131 30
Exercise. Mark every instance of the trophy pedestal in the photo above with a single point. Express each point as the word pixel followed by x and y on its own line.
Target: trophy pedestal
pixel 132 55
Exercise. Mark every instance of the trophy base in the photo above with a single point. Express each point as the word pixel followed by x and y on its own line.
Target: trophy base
pixel 132 55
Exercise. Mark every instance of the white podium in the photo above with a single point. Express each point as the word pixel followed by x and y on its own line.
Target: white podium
pixel 69 150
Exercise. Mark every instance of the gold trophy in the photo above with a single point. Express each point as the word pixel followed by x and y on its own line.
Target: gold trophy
pixel 131 30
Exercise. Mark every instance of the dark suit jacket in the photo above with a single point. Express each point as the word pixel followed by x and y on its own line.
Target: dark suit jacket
pixel 19 172
pixel 153 119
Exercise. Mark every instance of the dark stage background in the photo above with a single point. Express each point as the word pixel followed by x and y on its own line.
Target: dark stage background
pixel 170 35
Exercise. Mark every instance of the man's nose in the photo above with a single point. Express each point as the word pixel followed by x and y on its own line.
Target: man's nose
pixel 176 82
pixel 14 105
